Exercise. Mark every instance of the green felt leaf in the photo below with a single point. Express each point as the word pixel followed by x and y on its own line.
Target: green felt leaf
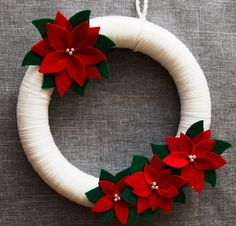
pixel 80 17
pixel 104 43
pixel 149 214
pixel 128 196
pixel 138 163
pixel 31 58
pixel 94 195
pixel 220 146
pixel 78 89
pixel 210 177
pixel 181 197
pixel 104 175
pixel 104 69
pixel 161 150
pixel 122 174
pixel 48 81
pixel 132 219
pixel 107 215
pixel 176 171
pixel 40 24
pixel 195 129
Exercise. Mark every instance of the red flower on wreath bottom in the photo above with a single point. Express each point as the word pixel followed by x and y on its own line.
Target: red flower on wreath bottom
pixel 112 199
pixel 155 186
pixel 193 156
pixel 69 52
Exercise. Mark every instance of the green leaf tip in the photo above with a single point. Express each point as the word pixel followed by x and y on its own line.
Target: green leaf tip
pixel 40 24
pixel 220 146
pixel 31 58
pixel 210 177
pixel 94 195
pixel 138 163
pixel 161 150
pixel 104 43
pixel 48 81
pixel 195 129
pixel 80 17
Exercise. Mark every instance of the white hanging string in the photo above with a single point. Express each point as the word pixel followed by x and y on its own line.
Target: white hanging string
pixel 142 14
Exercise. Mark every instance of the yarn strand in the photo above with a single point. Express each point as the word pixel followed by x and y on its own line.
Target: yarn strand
pixel 142 14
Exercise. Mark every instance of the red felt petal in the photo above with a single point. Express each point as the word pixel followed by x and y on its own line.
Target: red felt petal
pixel 53 63
pixel 90 56
pixel 107 187
pixel 177 181
pixel 135 179
pixel 42 48
pixel 197 181
pixel 121 184
pixel 122 213
pixel 149 174
pixel 163 178
pixel 205 163
pixel 205 135
pixel 203 147
pixel 219 161
pixel 142 190
pixel 153 200
pixel 76 70
pixel 57 37
pixel 188 172
pixel 61 20
pixel 185 144
pixel 166 204
pixel 168 191
pixel 173 143
pixel 142 205
pixel 79 36
pixel 157 164
pixel 92 72
pixel 63 82
pixel 93 34
pixel 103 204
pixel 176 160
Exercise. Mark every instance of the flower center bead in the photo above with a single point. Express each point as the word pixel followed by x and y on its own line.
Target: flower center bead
pixel 70 51
pixel 192 158
pixel 116 198
pixel 154 186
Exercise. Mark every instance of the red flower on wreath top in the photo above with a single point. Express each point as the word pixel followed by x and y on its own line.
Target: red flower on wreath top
pixel 193 156
pixel 112 200
pixel 155 186
pixel 69 50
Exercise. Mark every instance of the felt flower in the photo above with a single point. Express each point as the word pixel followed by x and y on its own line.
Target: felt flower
pixel 113 200
pixel 155 186
pixel 69 52
pixel 193 156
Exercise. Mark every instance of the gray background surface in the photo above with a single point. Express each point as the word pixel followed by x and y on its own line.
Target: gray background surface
pixel 121 115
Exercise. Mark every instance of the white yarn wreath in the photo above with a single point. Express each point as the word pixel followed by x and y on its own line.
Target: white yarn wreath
pixel 127 32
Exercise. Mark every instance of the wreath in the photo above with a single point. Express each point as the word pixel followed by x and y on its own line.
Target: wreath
pixel 71 53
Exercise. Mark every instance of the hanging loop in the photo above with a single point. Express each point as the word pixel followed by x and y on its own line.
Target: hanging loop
pixel 142 15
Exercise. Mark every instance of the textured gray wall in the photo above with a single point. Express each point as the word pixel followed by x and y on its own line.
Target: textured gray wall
pixel 121 115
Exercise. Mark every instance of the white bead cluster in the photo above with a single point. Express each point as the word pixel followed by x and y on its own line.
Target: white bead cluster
pixel 154 185
pixel 116 198
pixel 192 158
pixel 70 51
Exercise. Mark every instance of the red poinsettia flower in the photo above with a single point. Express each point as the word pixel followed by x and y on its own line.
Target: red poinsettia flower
pixel 193 156
pixel 112 199
pixel 69 52
pixel 155 187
